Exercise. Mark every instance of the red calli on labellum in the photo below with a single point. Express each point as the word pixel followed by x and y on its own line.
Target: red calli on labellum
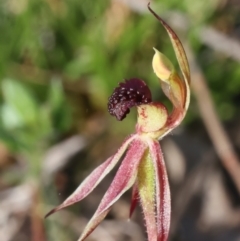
pixel 143 166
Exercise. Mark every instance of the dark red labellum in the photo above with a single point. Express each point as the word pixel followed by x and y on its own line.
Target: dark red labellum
pixel 130 93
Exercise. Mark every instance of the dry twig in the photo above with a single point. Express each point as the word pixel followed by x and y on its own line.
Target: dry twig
pixel 218 135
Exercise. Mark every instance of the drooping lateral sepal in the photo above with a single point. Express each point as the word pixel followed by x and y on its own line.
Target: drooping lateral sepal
pixel 146 186
pixel 88 185
pixel 163 199
pixel 123 180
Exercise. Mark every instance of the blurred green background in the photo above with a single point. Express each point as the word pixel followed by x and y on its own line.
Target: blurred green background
pixel 60 61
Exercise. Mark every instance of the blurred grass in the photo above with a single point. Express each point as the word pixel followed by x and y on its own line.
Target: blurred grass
pixel 61 60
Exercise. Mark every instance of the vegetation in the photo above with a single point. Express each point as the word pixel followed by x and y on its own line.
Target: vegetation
pixel 61 60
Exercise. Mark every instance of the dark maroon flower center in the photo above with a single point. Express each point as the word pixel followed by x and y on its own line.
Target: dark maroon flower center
pixel 130 93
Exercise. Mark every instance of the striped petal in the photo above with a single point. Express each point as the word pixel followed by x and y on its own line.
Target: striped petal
pixel 123 180
pixel 163 199
pixel 88 185
pixel 146 186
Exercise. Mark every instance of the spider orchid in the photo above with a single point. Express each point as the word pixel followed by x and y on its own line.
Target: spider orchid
pixel 142 166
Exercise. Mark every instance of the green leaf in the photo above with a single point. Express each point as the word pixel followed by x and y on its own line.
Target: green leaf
pixel 58 107
pixel 56 94
pixel 20 101
pixel 10 117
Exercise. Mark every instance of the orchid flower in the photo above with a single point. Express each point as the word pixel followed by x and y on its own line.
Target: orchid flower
pixel 142 166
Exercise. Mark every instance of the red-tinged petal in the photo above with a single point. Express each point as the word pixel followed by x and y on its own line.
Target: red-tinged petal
pixel 146 186
pixel 134 200
pixel 124 179
pixel 94 178
pixel 163 199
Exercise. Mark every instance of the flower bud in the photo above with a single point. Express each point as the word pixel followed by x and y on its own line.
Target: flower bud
pixel 162 66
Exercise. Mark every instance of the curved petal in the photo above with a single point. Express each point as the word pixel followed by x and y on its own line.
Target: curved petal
pixel 178 48
pixel 163 199
pixel 94 178
pixel 124 179
pixel 176 89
